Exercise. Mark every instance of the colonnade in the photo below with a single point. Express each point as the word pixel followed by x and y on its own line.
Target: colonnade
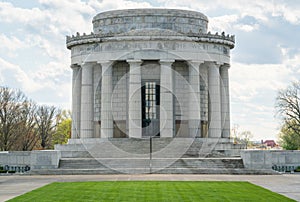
pixel 83 99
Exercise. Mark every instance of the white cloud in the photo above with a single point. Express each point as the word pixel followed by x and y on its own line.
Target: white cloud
pixel 289 11
pixel 247 28
pixel 9 13
pixel 247 80
pixel 11 43
pixel 27 83
pixel 222 23
pixel 117 4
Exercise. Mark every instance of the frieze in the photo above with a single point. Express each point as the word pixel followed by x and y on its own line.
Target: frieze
pixel 158 45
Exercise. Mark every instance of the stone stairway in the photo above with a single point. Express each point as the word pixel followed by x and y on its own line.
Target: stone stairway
pixel 132 156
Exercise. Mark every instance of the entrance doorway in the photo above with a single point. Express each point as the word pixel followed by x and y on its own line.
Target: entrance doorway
pixel 150 108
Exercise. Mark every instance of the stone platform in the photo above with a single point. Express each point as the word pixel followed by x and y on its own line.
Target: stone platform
pixel 161 155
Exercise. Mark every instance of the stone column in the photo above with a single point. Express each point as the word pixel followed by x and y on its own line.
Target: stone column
pixel 135 99
pixel 215 100
pixel 97 102
pixel 204 99
pixel 76 101
pixel 87 102
pixel 167 124
pixel 106 94
pixel 225 104
pixel 194 100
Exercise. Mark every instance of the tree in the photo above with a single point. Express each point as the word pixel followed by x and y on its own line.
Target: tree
pixel 63 129
pixel 45 119
pixel 11 105
pixel 244 138
pixel 26 131
pixel 288 107
pixel 234 133
pixel 288 138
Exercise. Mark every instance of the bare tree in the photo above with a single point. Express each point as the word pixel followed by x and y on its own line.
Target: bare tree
pixel 244 137
pixel 11 104
pixel 45 119
pixel 287 105
pixel 26 131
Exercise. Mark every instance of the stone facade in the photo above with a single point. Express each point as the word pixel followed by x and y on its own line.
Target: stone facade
pixel 150 72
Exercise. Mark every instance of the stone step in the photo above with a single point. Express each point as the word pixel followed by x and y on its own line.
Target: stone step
pixel 104 171
pixel 162 147
pixel 91 163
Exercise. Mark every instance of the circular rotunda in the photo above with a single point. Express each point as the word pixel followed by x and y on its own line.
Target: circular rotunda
pixel 150 72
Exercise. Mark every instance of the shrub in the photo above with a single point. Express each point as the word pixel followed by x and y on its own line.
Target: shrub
pixel 3 171
pixel 297 169
pixel 11 171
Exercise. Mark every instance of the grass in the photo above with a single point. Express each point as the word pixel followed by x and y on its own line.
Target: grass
pixel 151 191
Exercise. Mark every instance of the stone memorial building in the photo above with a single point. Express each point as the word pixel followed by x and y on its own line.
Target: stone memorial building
pixel 155 73
pixel 150 72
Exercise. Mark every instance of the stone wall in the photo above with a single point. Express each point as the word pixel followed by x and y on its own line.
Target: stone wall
pixel 120 21
pixel 265 159
pixel 44 159
pixel 49 159
pixel 15 158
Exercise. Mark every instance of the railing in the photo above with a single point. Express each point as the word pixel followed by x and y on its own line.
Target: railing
pixel 92 38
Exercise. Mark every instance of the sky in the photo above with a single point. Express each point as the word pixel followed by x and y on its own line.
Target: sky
pixel 266 58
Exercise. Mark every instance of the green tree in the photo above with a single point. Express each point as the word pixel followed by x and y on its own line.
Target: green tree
pixel 288 108
pixel 63 129
pixel 289 139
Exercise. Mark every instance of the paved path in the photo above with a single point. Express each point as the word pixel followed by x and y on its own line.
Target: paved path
pixel 14 185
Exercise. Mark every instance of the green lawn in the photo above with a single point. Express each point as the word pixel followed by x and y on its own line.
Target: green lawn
pixel 151 191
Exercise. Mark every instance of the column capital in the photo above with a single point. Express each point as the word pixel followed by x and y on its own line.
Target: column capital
pixel 166 62
pixel 105 63
pixel 213 64
pixel 88 64
pixel 225 65
pixel 196 63
pixel 134 61
pixel 74 66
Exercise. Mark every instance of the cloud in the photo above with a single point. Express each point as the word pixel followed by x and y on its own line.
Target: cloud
pixel 247 80
pixel 11 43
pixel 290 11
pixel 106 5
pixel 9 13
pixel 27 83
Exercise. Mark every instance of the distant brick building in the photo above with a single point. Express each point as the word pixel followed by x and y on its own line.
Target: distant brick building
pixel 270 143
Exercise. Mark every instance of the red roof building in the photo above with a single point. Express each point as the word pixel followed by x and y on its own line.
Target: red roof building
pixel 270 143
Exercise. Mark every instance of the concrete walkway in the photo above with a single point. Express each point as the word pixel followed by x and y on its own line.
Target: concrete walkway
pixel 15 185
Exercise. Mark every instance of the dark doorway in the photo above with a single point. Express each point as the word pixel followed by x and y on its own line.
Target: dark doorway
pixel 150 108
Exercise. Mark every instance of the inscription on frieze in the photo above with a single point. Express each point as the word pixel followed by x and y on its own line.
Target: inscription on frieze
pixel 160 45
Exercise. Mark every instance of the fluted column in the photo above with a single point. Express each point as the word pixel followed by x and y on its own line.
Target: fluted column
pixel 87 102
pixel 194 100
pixel 215 100
pixel 76 101
pixel 167 124
pixel 134 99
pixel 106 93
pixel 225 104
